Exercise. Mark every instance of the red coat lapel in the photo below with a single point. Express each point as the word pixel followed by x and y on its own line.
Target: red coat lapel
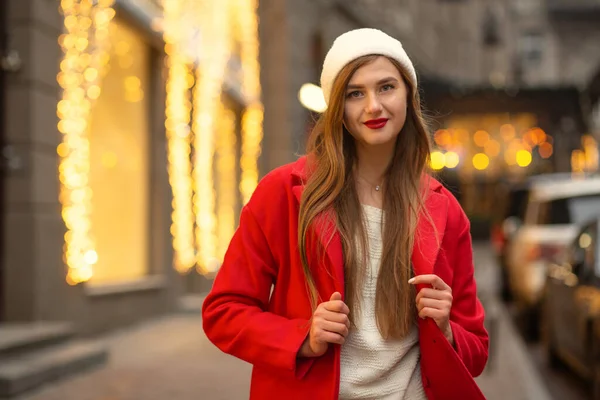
pixel 429 233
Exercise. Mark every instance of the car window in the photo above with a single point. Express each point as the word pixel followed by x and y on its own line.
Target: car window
pixel 586 255
pixel 572 210
pixel 583 209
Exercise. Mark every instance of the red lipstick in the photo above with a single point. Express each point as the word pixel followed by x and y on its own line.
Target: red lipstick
pixel 376 123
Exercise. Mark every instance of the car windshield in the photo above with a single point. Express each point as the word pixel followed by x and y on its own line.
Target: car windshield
pixel 572 210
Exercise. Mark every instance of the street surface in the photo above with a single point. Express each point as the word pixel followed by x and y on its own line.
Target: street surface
pixel 171 359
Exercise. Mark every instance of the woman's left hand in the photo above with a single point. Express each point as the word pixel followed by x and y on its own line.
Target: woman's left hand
pixel 435 302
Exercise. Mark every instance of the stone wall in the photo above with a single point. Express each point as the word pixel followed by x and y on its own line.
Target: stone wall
pixel 33 227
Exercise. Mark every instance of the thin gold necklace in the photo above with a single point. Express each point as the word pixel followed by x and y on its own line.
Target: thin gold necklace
pixel 377 187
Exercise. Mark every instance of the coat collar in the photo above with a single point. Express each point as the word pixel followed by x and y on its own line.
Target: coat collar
pixel 427 238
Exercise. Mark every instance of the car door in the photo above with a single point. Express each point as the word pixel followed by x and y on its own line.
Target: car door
pixel 568 297
pixel 587 294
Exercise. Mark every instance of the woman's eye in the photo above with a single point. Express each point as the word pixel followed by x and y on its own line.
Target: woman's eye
pixel 354 94
pixel 387 87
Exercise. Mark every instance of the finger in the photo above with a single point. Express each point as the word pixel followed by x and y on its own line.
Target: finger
pixel 330 337
pixel 442 305
pixel 428 312
pixel 336 306
pixel 334 327
pixel 335 296
pixel 435 281
pixel 340 318
pixel 434 294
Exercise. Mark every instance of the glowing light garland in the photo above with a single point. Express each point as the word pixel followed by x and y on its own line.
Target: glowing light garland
pixel 199 37
pixel 212 23
pixel 179 138
pixel 252 120
pixel 215 45
pixel 226 176
pixel 84 45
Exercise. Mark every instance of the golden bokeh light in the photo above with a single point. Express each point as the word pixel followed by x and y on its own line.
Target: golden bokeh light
pixel 590 148
pixel 442 138
pixel 451 159
pixel 481 138
pixel 437 160
pixel 481 161
pixel 507 131
pixel 545 150
pixel 492 148
pixel 536 136
pixel 523 158
pixel 578 161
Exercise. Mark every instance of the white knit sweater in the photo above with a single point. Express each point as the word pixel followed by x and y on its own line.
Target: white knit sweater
pixel 371 367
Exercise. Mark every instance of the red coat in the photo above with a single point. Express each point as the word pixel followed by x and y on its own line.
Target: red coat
pixel 243 317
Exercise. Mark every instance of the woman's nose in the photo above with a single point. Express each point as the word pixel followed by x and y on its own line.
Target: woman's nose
pixel 373 104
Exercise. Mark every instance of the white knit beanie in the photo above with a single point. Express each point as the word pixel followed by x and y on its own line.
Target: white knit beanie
pixel 357 43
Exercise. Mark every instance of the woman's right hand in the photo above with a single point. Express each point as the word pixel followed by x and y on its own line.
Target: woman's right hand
pixel 330 324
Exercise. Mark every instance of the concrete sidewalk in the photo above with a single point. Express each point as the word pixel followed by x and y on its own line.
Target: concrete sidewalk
pixel 510 373
pixel 171 359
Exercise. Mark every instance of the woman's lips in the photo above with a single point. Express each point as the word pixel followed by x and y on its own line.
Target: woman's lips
pixel 376 123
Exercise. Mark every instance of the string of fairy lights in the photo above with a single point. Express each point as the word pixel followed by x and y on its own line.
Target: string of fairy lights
pixel 84 44
pixel 252 120
pixel 215 43
pixel 180 80
pixel 201 36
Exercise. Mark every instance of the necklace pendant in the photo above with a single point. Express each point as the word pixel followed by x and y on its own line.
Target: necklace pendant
pixel 377 188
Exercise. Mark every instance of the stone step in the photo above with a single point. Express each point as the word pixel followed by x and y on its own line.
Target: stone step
pixel 25 372
pixel 19 338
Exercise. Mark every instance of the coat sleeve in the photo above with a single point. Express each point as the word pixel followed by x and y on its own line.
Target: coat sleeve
pixel 467 314
pixel 234 312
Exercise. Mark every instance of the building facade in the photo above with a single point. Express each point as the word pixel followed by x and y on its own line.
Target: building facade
pixel 131 131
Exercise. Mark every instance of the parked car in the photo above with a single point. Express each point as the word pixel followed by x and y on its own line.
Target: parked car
pixel 554 209
pixel 572 307
pixel 510 218
pixel 505 227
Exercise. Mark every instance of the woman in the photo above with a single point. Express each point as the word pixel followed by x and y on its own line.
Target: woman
pixel 351 273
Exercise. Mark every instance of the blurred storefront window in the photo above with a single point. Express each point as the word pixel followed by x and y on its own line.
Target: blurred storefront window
pixel 119 159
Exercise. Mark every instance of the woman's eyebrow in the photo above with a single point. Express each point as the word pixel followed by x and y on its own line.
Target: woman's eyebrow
pixel 379 82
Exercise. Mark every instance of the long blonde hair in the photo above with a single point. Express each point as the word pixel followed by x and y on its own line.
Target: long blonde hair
pixel 331 186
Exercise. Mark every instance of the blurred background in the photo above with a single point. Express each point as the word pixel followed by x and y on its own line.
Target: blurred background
pixel 133 131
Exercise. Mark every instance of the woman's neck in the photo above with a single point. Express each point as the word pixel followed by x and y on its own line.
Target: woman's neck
pixel 373 162
pixel 370 170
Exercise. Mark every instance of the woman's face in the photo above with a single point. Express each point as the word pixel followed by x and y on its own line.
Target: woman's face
pixel 375 106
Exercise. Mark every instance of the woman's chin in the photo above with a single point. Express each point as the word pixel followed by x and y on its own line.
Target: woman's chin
pixel 377 140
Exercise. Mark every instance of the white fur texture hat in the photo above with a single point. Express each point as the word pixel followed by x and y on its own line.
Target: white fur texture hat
pixel 357 43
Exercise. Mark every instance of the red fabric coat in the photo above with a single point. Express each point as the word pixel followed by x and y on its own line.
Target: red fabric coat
pixel 243 317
